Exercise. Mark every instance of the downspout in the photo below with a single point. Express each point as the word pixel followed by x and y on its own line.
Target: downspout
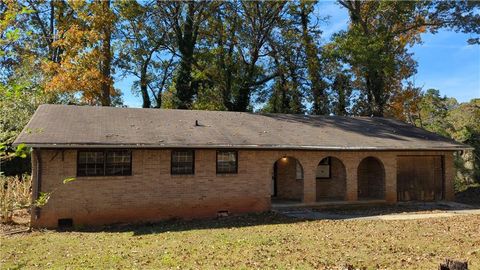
pixel 37 183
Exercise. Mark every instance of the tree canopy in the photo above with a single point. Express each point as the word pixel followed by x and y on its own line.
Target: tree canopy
pixel 268 56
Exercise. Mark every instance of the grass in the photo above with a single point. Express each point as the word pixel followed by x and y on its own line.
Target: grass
pixel 253 241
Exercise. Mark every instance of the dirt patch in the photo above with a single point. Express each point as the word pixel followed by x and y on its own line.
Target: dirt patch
pixel 21 223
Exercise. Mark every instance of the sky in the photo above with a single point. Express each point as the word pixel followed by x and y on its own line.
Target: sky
pixel 445 61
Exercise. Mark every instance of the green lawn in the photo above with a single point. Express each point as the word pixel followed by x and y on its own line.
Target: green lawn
pixel 255 241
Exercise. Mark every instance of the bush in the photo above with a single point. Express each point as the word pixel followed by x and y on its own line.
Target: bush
pixel 15 194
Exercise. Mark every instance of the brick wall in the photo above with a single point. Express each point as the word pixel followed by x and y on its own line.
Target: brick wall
pixel 152 193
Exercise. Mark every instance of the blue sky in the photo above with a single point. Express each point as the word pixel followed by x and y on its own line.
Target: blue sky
pixel 445 60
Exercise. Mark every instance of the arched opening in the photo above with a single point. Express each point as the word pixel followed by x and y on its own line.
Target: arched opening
pixel 331 180
pixel 287 180
pixel 371 179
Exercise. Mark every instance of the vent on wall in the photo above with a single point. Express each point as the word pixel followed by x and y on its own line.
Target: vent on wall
pixel 223 213
pixel 65 223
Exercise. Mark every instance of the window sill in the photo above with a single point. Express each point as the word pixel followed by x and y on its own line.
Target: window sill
pixel 182 175
pixel 226 174
pixel 105 177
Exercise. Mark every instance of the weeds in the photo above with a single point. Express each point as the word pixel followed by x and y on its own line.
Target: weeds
pixel 15 194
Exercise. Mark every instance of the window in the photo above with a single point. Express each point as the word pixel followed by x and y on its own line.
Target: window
pixel 183 162
pixel 118 163
pixel 227 162
pixel 104 162
pixel 298 170
pixel 90 163
pixel 323 169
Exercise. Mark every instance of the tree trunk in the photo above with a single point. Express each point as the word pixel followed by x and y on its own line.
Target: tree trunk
pixel 243 98
pixel 186 45
pixel 51 49
pixel 225 61
pixel 375 89
pixel 453 265
pixel 144 88
pixel 320 103
pixel 106 62
pixel 341 85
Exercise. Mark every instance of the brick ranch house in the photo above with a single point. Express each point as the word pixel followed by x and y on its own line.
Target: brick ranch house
pixel 135 165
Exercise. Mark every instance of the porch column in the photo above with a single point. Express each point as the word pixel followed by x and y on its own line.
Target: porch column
pixel 449 177
pixel 352 181
pixel 309 185
pixel 390 165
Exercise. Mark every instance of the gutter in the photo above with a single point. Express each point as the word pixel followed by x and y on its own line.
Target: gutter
pixel 247 146
pixel 37 183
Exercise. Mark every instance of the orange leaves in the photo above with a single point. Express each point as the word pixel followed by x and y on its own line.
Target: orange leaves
pixel 404 104
pixel 79 70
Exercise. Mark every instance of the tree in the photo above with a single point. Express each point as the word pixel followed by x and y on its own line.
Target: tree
pixel 85 64
pixel 376 43
pixel 286 59
pixel 375 46
pixel 404 104
pixel 220 60
pixel 259 20
pixel 314 66
pixel 433 112
pixel 144 45
pixel 231 64
pixel 185 18
pixel 460 16
pixel 284 94
pixel 105 29
pixel 342 92
pixel 10 36
pixel 25 43
pixel 464 126
pixel 446 117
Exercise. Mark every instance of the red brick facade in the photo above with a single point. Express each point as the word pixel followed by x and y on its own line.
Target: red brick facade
pixel 152 193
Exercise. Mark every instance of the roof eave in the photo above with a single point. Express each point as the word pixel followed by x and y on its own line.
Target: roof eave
pixel 266 147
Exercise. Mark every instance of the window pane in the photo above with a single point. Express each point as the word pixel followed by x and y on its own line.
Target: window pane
pixel 90 163
pixel 182 162
pixel 108 162
pixel 118 163
pixel 226 162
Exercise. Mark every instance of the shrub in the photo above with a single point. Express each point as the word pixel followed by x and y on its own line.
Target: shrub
pixel 15 194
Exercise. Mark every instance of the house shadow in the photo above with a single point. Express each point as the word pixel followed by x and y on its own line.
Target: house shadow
pixel 287 216
pixel 413 207
pixel 181 225
pixel 470 196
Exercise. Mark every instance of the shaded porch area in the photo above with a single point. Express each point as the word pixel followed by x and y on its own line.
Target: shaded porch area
pixel 287 181
pixel 328 181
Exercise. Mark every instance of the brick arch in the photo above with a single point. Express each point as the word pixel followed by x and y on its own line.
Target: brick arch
pixel 287 184
pixel 371 179
pixel 333 187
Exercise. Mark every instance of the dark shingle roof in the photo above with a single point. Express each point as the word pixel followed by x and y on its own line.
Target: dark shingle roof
pixel 83 126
